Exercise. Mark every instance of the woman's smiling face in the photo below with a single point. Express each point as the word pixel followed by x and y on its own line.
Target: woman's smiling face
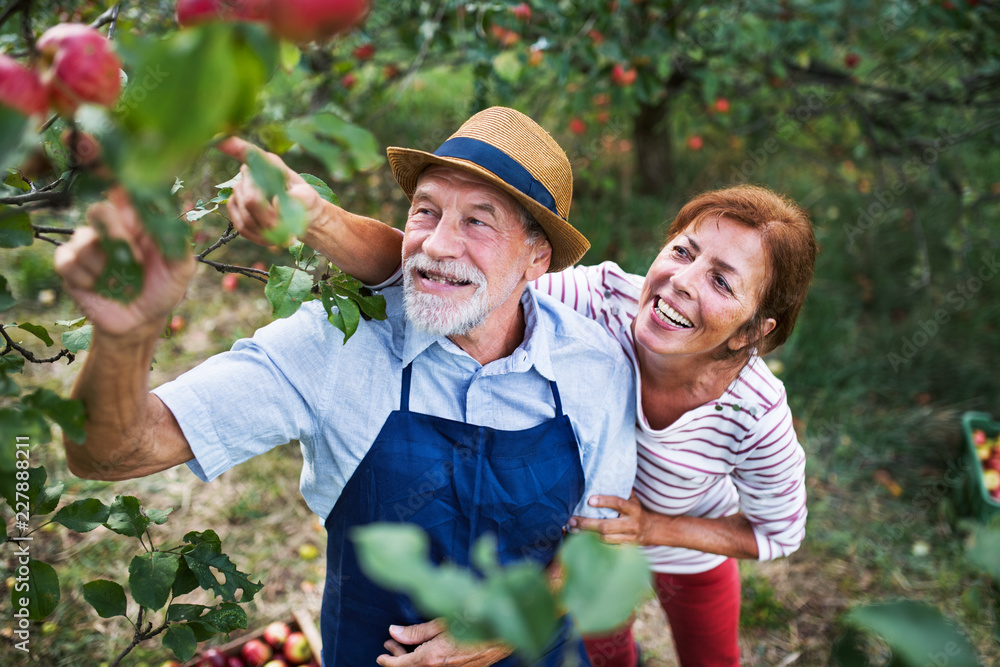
pixel 703 286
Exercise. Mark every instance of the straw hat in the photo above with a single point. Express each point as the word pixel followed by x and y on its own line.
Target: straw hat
pixel 509 150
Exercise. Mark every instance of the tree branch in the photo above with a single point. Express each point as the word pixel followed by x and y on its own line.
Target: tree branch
pixel 11 345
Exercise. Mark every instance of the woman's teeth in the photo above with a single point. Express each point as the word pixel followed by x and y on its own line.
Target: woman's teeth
pixel 668 314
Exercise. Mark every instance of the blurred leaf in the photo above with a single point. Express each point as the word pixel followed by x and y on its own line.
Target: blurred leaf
pixel 394 555
pixel 125 517
pixel 287 288
pixel 72 324
pixel 522 608
pixel 15 228
pixel 11 363
pixel 36 489
pixel 6 298
pixel 292 221
pixel 150 578
pixel 122 277
pixel 83 515
pixel 15 179
pixel 159 517
pixel 78 339
pixel 322 188
pixel 915 632
pixel 181 640
pixel 41 591
pixel 67 412
pixel 106 597
pixel 601 603
pixel 37 331
pixel 13 127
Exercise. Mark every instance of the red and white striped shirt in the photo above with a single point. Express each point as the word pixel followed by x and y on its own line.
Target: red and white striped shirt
pixel 738 453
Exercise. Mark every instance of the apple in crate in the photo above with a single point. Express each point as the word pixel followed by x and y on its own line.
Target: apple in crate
pixel 256 652
pixel 234 661
pixel 277 662
pixel 297 650
pixel 991 480
pixel 213 657
pixel 276 633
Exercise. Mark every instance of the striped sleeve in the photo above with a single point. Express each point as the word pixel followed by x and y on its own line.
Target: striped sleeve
pixel 586 289
pixel 771 483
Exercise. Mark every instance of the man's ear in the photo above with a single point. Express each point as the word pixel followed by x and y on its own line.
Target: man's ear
pixel 742 340
pixel 541 258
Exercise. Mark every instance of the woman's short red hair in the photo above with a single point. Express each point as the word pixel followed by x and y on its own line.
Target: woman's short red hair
pixel 788 238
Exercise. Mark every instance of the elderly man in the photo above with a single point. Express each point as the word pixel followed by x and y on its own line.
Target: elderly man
pixel 472 409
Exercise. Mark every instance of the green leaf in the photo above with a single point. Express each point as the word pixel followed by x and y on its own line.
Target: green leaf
pixel 125 517
pixel 3 531
pixel 15 179
pixel 48 499
pixel 6 298
pixel 342 312
pixel 122 277
pixel 185 581
pixel 287 288
pixel 601 603
pixel 37 331
pixel 915 632
pixel 39 590
pixel 150 578
pixel 185 612
pixel 270 179
pixel 522 609
pixel 69 413
pixel 13 131
pixel 227 617
pixel 72 324
pixel 15 228
pixel 78 339
pixel 393 555
pixel 82 516
pixel 159 517
pixel 11 363
pixel 36 488
pixel 201 631
pixel 107 597
pixel 322 188
pixel 7 385
pixel 208 538
pixel 181 640
pixel 206 564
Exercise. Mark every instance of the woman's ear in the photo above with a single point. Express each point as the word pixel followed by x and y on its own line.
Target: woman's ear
pixel 739 341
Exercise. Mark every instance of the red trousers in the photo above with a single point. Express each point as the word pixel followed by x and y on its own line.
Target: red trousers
pixel 704 614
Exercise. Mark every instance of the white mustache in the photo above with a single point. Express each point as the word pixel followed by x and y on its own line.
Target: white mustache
pixel 452 270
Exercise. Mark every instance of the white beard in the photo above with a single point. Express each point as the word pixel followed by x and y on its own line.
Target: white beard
pixel 441 316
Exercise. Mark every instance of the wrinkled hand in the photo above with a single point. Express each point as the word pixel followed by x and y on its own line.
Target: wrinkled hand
pixel 80 261
pixel 630 527
pixel 250 213
pixel 434 648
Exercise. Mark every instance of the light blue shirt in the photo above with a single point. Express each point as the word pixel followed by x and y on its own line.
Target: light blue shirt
pixel 296 380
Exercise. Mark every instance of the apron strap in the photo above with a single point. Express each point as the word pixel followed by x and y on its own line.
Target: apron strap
pixel 555 395
pixel 404 395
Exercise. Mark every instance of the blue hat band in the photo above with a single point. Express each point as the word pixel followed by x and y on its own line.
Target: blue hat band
pixel 504 166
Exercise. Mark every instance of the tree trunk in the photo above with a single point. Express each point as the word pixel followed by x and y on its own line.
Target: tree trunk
pixel 653 152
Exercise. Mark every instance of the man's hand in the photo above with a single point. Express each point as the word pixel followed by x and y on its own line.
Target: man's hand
pixel 250 213
pixel 434 648
pixel 631 526
pixel 81 260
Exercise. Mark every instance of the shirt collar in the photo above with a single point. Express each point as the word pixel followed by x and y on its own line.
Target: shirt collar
pixel 533 350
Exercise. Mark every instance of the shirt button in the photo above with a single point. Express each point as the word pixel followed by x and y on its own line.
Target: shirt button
pixel 607 294
pixel 614 310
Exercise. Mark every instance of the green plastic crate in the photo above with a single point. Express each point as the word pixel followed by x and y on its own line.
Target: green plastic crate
pixel 973 499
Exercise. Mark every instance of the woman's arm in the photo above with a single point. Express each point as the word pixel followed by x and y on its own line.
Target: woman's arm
pixel 731 536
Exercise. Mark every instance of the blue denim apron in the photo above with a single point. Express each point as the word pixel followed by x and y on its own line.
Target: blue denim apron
pixel 457 482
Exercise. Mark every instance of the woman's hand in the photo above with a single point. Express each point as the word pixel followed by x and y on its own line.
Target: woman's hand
pixel 631 527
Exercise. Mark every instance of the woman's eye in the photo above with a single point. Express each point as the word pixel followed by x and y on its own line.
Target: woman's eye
pixel 722 284
pixel 680 251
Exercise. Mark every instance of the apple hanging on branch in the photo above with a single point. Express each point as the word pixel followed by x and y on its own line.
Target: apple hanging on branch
pixel 78 66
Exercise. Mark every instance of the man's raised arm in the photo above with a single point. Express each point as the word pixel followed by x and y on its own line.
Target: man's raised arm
pixel 130 432
pixel 363 247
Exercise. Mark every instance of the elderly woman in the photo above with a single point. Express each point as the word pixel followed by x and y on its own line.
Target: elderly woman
pixel 721 474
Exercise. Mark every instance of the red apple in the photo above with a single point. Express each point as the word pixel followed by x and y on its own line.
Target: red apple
pixel 297 649
pixel 695 142
pixel 521 12
pixel 365 51
pixel 391 71
pixel 603 117
pixel 21 89
pixel 193 12
pixel 577 126
pixel 177 323
pixel 276 633
pixel 233 661
pixel 311 20
pixel 979 437
pixel 170 663
pixel 535 57
pixel 277 662
pixel 620 76
pixel 348 80
pixel 248 10
pixel 82 67
pixel 991 480
pixel 213 657
pixel 992 463
pixel 852 60
pixel 596 37
pixel 229 282
pixel 256 652
pixel 721 105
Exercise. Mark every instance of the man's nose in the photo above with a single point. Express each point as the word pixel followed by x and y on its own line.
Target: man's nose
pixel 445 241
